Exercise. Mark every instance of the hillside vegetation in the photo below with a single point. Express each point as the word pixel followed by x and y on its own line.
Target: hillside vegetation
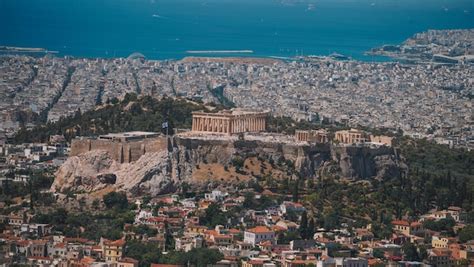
pixel 130 114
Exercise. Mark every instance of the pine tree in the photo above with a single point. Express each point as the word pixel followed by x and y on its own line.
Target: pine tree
pixel 304 225
pixel 311 229
pixel 295 192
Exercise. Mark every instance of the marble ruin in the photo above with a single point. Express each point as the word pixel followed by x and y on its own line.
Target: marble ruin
pixel 314 136
pixel 230 122
pixel 352 136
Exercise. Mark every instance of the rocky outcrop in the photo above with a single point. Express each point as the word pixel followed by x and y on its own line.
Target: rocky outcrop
pixel 163 172
pixel 95 170
pixel 363 162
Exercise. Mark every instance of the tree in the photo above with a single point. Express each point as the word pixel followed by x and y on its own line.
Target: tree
pixel 145 253
pixel 331 220
pixel 295 191
pixel 304 225
pixel 116 200
pixel 213 216
pixel 311 229
pixel 378 253
pixel 467 233
pixel 410 252
pixel 446 224
pixel 248 200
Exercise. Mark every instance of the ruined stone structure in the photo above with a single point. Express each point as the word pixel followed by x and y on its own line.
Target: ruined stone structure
pixel 314 136
pixel 352 136
pixel 381 139
pixel 229 122
pixel 123 147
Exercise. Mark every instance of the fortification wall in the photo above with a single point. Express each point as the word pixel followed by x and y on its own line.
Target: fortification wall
pixel 123 152
pixel 80 146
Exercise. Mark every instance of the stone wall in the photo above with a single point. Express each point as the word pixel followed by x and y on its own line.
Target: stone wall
pixel 123 152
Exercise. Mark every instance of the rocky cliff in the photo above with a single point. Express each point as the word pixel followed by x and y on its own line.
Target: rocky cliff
pixel 363 162
pixel 203 163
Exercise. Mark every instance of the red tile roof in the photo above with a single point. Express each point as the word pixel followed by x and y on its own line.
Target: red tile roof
pixel 400 222
pixel 260 230
pixel 117 243
pixel 128 260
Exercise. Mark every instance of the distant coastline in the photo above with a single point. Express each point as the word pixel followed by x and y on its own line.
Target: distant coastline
pixel 220 52
pixel 15 49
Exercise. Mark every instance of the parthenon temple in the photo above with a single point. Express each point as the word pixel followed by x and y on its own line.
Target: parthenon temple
pixel 230 122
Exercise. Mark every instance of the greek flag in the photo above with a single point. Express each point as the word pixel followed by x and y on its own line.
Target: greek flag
pixel 164 125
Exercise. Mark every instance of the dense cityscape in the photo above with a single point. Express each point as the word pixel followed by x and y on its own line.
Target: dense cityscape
pixel 252 162
pixel 429 100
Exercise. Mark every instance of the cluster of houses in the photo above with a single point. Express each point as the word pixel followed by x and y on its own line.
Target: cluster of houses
pixel 253 239
pixel 31 156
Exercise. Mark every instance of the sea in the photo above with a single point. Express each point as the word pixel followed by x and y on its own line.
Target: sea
pixel 173 29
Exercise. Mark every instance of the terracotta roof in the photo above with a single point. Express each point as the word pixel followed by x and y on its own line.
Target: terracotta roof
pixel 265 244
pixel 374 262
pixel 60 245
pixel 87 260
pixel 39 242
pixel 260 230
pixel 128 260
pixel 441 252
pixel 234 231
pixel 400 222
pixel 255 262
pixel 278 228
pixel 156 219
pixel 118 243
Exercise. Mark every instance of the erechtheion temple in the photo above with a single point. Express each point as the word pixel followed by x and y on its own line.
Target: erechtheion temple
pixel 314 136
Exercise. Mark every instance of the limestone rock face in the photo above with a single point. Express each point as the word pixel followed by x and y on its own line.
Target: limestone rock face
pixel 202 163
pixel 362 162
pixel 95 170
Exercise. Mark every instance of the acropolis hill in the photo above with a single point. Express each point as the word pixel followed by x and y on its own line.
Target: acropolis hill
pixel 141 162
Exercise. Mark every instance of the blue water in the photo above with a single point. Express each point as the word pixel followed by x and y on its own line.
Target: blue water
pixel 166 29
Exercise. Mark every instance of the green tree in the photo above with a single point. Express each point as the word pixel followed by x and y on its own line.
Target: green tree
pixel 378 253
pixel 116 200
pixel 213 216
pixel 410 252
pixel 467 233
pixel 304 225
pixel 311 229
